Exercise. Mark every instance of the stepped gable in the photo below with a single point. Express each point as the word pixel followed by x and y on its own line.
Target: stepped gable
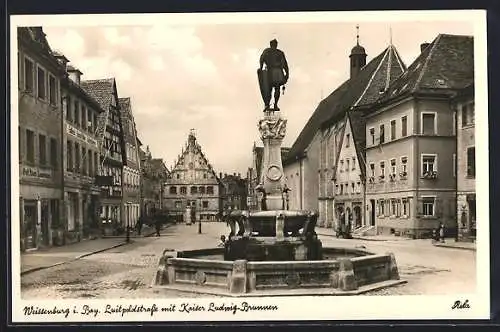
pixel 193 145
pixel 359 91
pixel 100 90
pixel 445 65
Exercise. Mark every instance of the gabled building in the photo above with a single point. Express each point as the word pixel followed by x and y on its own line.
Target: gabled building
pixel 81 157
pixel 465 169
pixel 254 173
pixel 192 184
pixel 411 142
pixel 40 135
pixel 132 166
pixel 234 194
pixel 112 154
pixel 349 174
pixel 309 166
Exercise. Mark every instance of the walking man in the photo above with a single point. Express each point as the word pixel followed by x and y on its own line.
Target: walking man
pixel 158 226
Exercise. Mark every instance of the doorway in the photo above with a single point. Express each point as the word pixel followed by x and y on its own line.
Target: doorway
pixel 357 216
pixel 45 223
pixel 30 217
pixel 372 212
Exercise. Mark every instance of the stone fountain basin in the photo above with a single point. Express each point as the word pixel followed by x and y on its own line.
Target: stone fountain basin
pixel 343 271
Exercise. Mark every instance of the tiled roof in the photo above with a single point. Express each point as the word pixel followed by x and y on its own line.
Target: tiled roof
pixel 362 90
pixel 259 152
pixel 101 91
pixel 358 125
pixel 159 165
pixel 446 64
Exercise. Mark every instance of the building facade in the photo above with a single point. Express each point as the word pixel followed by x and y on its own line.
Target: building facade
pixel 40 129
pixel 112 147
pixel 349 180
pixel 466 163
pixel 193 185
pixel 310 164
pixel 132 165
pixel 411 142
pixel 81 157
pixel 234 194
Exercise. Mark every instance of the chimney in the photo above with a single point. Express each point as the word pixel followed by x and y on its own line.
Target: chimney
pixel 74 74
pixel 423 46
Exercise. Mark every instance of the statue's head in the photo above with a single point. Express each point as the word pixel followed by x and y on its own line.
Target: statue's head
pixel 273 43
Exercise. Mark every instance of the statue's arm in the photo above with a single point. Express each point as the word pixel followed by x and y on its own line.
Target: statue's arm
pixel 285 66
pixel 261 61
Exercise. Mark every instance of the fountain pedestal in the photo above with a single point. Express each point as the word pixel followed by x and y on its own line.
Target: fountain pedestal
pixel 272 129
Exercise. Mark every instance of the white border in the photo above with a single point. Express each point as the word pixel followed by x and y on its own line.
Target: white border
pixel 290 308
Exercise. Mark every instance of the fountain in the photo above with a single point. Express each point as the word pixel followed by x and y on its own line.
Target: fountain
pixel 275 251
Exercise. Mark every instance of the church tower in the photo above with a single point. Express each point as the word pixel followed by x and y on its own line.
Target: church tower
pixel 358 56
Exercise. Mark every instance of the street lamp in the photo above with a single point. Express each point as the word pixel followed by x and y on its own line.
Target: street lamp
pixel 199 221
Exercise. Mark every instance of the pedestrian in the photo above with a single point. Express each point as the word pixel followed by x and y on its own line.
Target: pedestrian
pixel 158 226
pixel 441 233
pixel 139 224
pixel 222 241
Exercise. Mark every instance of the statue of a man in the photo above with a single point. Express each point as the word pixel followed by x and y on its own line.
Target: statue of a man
pixel 274 76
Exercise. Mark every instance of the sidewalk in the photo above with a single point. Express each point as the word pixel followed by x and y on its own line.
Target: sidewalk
pixel 451 243
pixel 41 259
pixel 146 231
pixel 331 232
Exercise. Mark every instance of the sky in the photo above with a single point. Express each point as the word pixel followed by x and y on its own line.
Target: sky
pixel 184 76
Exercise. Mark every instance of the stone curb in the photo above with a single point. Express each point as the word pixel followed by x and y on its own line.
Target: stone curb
pixel 72 259
pixel 153 232
pixel 453 247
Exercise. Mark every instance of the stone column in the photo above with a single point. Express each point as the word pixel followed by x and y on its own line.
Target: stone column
pixel 272 131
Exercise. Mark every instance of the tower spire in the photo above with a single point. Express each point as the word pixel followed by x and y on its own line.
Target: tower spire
pixel 357 34
pixel 390 35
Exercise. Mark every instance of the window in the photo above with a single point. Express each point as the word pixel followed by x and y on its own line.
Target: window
pixel 353 190
pixel 372 135
pixel 194 190
pixel 41 83
pixel 90 163
pixel 205 204
pixel 358 187
pixel 342 165
pixel 454 165
pixel 53 153
pixel 30 146
pixel 96 163
pixel 428 164
pixel 347 139
pixel 77 158
pixel 83 114
pixel 372 169
pixel 337 189
pixel 454 129
pixel 183 190
pixel 42 149
pixel 173 190
pixel 178 204
pixel 94 123
pixel 428 123
pixel 468 114
pixel 341 189
pixel 471 162
pixel 382 169
pixel 393 207
pixel 76 110
pixel 178 176
pixel 69 155
pixel 382 134
pixel 347 165
pixel 52 90
pixel 210 190
pixel 404 126
pixel 381 207
pixel 28 75
pixel 84 163
pixel 428 206
pixel 404 161
pixel 202 190
pixel 20 143
pixel 393 130
pixel 90 123
pixel 404 203
pixel 393 166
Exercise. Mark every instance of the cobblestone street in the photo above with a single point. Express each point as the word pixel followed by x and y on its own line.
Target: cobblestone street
pixel 128 271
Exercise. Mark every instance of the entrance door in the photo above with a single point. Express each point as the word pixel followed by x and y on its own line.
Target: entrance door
pixel 45 222
pixel 372 212
pixel 30 224
pixel 357 216
pixel 472 216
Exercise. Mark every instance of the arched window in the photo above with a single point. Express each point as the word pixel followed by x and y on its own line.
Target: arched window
pixel 173 190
